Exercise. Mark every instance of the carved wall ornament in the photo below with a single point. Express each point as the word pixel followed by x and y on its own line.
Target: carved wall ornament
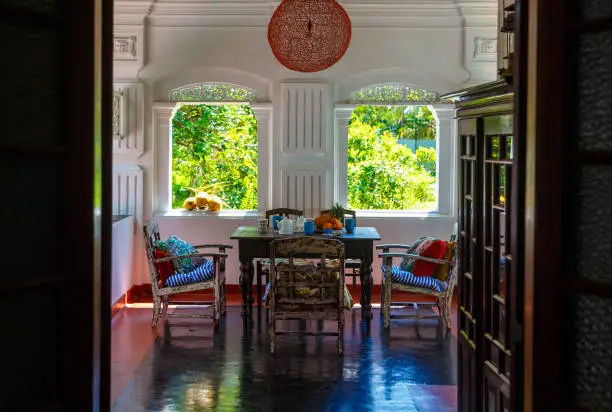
pixel 125 47
pixel 120 114
pixel 212 92
pixel 485 49
pixel 393 93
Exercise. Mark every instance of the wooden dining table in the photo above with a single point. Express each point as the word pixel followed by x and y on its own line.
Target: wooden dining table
pixel 252 244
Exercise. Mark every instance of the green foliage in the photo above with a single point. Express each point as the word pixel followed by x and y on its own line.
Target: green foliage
pixel 383 174
pixel 404 122
pixel 214 147
pixel 426 157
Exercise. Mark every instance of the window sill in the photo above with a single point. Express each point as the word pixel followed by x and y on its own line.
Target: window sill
pixel 206 214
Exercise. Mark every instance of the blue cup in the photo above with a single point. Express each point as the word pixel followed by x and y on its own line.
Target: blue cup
pixel 349 224
pixel 275 220
pixel 309 227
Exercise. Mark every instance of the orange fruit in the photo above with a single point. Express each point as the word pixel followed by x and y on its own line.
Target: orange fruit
pixel 327 225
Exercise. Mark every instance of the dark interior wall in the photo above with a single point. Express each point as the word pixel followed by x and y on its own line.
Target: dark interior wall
pixel 54 157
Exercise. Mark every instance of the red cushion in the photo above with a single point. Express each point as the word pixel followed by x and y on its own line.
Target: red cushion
pixel 164 269
pixel 431 248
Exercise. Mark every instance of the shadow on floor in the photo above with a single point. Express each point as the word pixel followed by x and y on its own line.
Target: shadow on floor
pixel 191 367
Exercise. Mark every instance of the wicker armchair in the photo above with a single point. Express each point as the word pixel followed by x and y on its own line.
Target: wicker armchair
pixel 395 279
pixel 307 291
pixel 262 266
pixel 162 293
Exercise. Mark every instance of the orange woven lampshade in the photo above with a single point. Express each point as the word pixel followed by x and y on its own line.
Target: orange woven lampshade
pixel 309 35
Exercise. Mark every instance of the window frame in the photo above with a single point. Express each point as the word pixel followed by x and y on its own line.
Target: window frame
pixel 163 113
pixel 445 160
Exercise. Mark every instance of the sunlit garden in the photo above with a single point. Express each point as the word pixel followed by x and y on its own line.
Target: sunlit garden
pixel 391 156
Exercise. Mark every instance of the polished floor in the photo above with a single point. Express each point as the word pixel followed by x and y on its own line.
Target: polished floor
pixel 185 365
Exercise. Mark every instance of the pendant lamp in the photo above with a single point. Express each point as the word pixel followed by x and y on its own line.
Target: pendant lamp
pixel 309 35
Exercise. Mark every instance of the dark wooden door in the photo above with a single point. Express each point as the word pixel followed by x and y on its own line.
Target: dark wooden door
pixel 490 279
pixel 470 265
pixel 499 300
pixel 55 158
pixel 568 220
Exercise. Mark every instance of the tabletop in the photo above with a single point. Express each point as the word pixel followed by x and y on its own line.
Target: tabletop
pixel 252 232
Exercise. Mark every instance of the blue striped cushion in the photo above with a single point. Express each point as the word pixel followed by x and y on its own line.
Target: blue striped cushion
pixel 406 278
pixel 202 273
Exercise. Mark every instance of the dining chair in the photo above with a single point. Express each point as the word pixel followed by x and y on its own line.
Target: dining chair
pixel 166 280
pixel 440 283
pixel 354 265
pixel 263 265
pixel 307 291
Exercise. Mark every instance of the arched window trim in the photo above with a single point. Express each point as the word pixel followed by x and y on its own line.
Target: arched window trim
pixel 394 94
pixel 213 92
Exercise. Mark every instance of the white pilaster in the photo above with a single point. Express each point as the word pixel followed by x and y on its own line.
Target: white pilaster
pixel 342 115
pixel 263 114
pixel 162 159
pixel 445 165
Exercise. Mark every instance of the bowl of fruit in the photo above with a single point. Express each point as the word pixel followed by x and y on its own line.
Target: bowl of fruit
pixel 327 224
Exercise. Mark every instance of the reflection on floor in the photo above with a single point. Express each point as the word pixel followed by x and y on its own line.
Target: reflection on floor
pixel 185 365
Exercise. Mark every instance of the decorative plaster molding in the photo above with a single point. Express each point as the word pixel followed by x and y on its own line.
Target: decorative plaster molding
pixel 485 49
pixel 479 13
pixel 131 12
pixel 125 48
pixel 256 13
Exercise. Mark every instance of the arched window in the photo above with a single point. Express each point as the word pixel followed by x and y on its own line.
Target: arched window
pixel 215 145
pixel 213 92
pixel 394 160
pixel 394 93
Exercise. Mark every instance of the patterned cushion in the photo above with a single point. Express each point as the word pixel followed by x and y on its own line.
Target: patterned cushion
pixel 179 247
pixel 427 247
pixel 406 278
pixel 348 298
pixel 164 269
pixel 267 261
pixel 306 292
pixel 407 263
pixel 442 270
pixel 202 273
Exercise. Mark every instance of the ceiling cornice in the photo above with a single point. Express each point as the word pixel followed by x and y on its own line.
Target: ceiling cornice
pixel 131 12
pixel 478 13
pixel 257 13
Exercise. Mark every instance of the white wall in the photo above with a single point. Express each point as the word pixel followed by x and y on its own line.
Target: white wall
pixel 122 257
pixel 202 41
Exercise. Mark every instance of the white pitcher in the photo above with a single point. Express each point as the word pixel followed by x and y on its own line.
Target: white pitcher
pixel 285 227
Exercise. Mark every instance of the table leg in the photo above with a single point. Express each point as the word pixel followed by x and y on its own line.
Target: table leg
pixel 366 289
pixel 246 281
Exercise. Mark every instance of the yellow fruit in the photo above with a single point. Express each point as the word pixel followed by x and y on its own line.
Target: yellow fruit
pixel 214 204
pixel 202 199
pixel 189 203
